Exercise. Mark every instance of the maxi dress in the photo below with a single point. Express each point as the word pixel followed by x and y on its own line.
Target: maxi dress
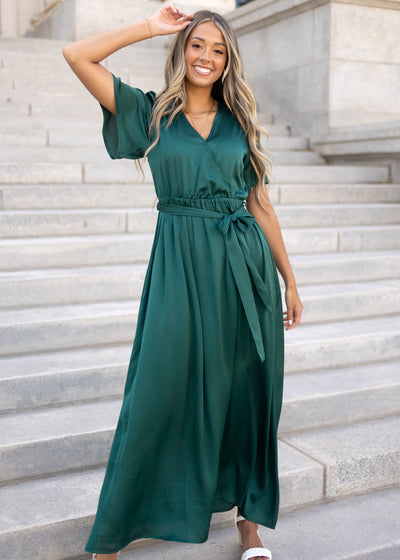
pixel 197 431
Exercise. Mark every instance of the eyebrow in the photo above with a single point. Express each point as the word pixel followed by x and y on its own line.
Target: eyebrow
pixel 201 39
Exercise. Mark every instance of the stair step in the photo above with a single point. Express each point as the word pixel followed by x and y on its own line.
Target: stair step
pixel 41 172
pixel 74 251
pixel 92 221
pixel 346 239
pixel 292 157
pixel 358 528
pixel 350 394
pixel 95 284
pixel 311 399
pixel 351 267
pixel 80 196
pixel 285 142
pixel 333 302
pixel 33 137
pixel 342 343
pixel 37 109
pixel 76 125
pixel 70 286
pixel 63 377
pixel 280 174
pixel 326 193
pixel 357 458
pixel 326 243
pixel 117 171
pixel 49 328
pixel 60 197
pixel 57 512
pixel 316 345
pixel 329 215
pixel 122 171
pixel 98 154
pixel 55 440
pixel 340 530
pixel 37 223
pixel 52 154
pixel 330 174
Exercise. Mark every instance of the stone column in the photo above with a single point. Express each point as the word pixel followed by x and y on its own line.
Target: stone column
pixel 8 18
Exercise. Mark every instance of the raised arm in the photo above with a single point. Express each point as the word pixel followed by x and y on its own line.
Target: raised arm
pixel 84 56
pixel 268 222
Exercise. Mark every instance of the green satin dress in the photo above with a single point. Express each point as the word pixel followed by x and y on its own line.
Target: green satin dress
pixel 197 431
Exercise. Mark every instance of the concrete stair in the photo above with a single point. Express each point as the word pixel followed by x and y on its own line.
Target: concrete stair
pixel 76 233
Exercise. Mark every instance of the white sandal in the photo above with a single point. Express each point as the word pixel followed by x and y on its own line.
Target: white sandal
pixel 94 557
pixel 252 552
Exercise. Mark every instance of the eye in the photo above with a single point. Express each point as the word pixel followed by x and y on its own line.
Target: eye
pixel 218 51
pixel 196 46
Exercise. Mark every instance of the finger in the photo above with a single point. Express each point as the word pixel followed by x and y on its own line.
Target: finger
pixel 296 317
pixel 290 315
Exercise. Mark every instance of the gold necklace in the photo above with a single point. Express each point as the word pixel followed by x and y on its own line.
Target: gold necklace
pixel 198 118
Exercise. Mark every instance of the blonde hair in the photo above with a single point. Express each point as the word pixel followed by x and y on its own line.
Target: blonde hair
pixel 231 87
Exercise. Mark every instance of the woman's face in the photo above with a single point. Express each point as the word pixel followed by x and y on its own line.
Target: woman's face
pixel 205 55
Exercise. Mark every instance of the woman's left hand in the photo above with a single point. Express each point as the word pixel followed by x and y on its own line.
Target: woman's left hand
pixel 291 317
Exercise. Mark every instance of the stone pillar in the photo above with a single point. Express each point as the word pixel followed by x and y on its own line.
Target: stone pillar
pixel 8 18
pixel 17 16
pixel 322 64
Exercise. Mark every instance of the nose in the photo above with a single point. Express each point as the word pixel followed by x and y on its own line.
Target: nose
pixel 205 55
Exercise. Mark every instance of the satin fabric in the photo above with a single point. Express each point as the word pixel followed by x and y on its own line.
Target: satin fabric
pixel 197 431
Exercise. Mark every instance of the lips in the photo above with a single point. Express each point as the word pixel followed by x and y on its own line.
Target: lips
pixel 202 70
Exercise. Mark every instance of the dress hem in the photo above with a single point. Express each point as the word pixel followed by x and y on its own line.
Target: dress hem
pixel 270 525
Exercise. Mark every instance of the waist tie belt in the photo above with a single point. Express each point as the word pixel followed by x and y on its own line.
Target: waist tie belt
pixel 240 259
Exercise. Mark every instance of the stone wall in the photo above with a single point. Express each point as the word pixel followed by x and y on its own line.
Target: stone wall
pixel 323 64
pixel 74 19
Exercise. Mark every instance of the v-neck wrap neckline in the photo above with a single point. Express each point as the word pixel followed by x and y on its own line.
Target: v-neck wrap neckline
pixel 196 132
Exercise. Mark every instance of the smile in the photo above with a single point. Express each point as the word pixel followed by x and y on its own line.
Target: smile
pixel 201 70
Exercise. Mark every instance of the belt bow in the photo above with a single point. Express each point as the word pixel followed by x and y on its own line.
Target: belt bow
pixel 244 269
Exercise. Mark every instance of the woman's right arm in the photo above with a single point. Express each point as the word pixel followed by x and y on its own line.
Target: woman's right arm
pixel 84 56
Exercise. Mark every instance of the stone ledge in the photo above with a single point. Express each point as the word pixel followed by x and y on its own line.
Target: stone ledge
pixel 260 13
pixel 360 142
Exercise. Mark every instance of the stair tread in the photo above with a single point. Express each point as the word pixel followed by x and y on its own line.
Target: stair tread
pixel 64 312
pixel 124 236
pixel 315 289
pixel 48 363
pixel 72 272
pixel 340 530
pixel 349 329
pixel 353 256
pixel 357 327
pixel 340 288
pixel 69 420
pixel 351 442
pixel 28 427
pixel 67 312
pixel 74 495
pixel 316 384
pixel 316 206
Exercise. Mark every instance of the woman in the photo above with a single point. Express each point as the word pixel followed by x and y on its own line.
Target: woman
pixel 197 431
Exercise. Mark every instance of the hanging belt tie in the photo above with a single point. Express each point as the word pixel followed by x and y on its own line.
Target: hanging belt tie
pixel 240 259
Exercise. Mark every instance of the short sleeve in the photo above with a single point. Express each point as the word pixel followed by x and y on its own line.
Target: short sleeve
pixel 126 134
pixel 249 173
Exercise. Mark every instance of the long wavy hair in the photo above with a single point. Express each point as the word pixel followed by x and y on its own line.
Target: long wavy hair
pixel 231 87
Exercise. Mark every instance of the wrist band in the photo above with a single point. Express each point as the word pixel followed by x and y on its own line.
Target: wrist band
pixel 149 26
